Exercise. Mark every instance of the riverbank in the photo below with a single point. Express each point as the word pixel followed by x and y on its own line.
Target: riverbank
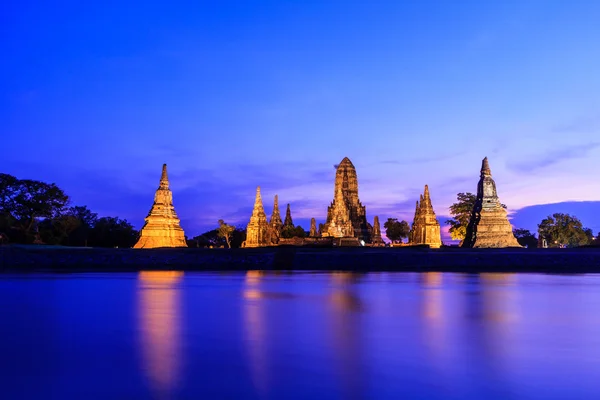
pixel 72 259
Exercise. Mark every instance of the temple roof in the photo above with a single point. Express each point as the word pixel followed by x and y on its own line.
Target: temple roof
pixel 485 167
pixel 346 163
pixel 164 178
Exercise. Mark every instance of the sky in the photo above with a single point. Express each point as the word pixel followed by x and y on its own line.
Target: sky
pixel 236 94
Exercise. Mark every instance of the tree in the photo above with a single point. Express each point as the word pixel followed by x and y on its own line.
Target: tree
pixel 24 202
pixel 58 230
pixel 209 239
pixel 564 230
pixel 238 237
pixel 225 231
pixel 113 232
pixel 525 238
pixel 293 231
pixel 87 220
pixel 461 212
pixel 396 230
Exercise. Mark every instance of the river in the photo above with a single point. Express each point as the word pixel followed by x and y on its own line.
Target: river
pixel 256 335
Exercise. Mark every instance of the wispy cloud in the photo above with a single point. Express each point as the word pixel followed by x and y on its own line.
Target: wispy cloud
pixel 583 124
pixel 552 157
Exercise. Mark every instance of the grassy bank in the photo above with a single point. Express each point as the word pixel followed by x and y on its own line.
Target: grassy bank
pixel 71 259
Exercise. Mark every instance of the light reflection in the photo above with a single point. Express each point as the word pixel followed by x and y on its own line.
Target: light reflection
pixel 160 328
pixel 347 337
pixel 434 320
pixel 253 279
pixel 499 297
pixel 432 309
pixel 255 331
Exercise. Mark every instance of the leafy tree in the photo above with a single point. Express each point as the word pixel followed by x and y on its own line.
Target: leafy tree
pixel 564 230
pixel 113 232
pixel 208 239
pixel 225 231
pixel 24 202
pixel 293 231
pixel 525 238
pixel 461 212
pixel 58 230
pixel 396 230
pixel 87 220
pixel 238 237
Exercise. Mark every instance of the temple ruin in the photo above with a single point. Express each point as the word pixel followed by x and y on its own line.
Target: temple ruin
pixel 346 216
pixel 425 227
pixel 275 223
pixel 376 239
pixel 257 230
pixel 161 227
pixel 489 225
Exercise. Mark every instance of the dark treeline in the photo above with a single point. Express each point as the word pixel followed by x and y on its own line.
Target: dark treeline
pixel 216 238
pixel 38 212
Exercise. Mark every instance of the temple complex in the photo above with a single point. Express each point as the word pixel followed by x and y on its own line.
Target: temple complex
pixel 425 227
pixel 162 228
pixel 313 228
pixel 376 236
pixel 489 225
pixel 257 230
pixel 346 216
pixel 275 223
pixel 288 222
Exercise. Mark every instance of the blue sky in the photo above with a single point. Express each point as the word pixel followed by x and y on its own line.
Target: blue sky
pixel 231 95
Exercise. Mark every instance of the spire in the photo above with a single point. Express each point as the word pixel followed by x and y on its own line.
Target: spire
pixel 376 227
pixel 426 198
pixel 258 204
pixel 164 178
pixel 275 220
pixel 288 217
pixel 313 228
pixel 485 167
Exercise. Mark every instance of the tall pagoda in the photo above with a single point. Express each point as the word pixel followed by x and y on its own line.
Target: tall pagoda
pixel 162 228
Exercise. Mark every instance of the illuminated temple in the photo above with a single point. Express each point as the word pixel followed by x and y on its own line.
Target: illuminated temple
pixel 425 227
pixel 489 225
pixel 346 216
pixel 162 228
pixel 258 230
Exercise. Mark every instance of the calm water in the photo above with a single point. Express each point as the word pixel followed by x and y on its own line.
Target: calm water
pixel 167 335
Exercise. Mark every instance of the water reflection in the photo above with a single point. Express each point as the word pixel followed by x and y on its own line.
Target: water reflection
pixel 347 340
pixel 255 331
pixel 434 319
pixel 492 311
pixel 160 328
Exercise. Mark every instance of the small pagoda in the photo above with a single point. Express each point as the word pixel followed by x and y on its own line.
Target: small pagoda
pixel 425 227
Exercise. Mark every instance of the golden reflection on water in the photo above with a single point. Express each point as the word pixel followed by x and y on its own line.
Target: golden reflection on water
pixel 434 320
pixel 346 330
pixel 255 331
pixel 160 328
pixel 499 298
pixel 432 309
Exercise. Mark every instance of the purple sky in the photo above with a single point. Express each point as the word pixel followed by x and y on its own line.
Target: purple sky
pixel 232 95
